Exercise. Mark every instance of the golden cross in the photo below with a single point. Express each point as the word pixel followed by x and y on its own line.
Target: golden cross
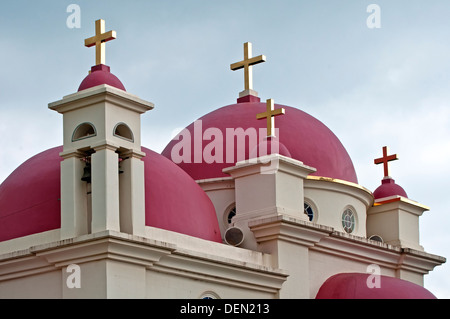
pixel 247 65
pixel 269 114
pixel 99 41
pixel 385 160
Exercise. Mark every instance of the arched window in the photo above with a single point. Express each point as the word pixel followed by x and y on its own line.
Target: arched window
pixel 231 214
pixel 84 130
pixel 309 211
pixel 123 131
pixel 209 295
pixel 376 238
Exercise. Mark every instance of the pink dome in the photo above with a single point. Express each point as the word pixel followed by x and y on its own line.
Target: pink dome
pixel 354 286
pixel 304 137
pixel 30 198
pixel 174 201
pixel 389 188
pixel 100 74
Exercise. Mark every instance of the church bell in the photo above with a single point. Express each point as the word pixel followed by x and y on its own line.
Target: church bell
pixel 87 173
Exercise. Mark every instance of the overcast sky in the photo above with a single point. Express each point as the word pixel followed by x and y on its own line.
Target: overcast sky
pixel 371 86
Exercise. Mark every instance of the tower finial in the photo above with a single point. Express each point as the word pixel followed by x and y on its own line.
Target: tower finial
pixel 247 65
pixel 99 41
pixel 385 160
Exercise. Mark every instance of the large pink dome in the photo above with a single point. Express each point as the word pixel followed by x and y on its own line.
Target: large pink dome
pixel 30 198
pixel 306 138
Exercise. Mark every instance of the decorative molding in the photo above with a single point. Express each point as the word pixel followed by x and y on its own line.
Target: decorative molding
pixel 269 164
pixel 152 254
pixel 215 184
pixel 99 94
pixel 398 202
pixel 222 271
pixel 289 229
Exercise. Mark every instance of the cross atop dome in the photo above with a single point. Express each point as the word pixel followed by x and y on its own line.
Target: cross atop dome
pixel 247 64
pixel 388 187
pixel 270 114
pixel 385 160
pixel 99 40
pixel 100 73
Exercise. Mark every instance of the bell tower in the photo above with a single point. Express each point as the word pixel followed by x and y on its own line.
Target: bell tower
pixel 102 174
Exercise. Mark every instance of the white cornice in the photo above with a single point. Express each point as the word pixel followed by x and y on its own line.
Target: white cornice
pixel 196 261
pixel 101 93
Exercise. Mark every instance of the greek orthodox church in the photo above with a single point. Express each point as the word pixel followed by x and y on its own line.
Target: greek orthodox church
pixel 253 200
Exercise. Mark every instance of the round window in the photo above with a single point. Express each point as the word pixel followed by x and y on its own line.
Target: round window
pixel 348 220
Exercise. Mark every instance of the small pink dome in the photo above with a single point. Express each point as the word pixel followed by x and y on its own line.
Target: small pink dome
pixel 354 286
pixel 30 198
pixel 389 188
pixel 100 74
